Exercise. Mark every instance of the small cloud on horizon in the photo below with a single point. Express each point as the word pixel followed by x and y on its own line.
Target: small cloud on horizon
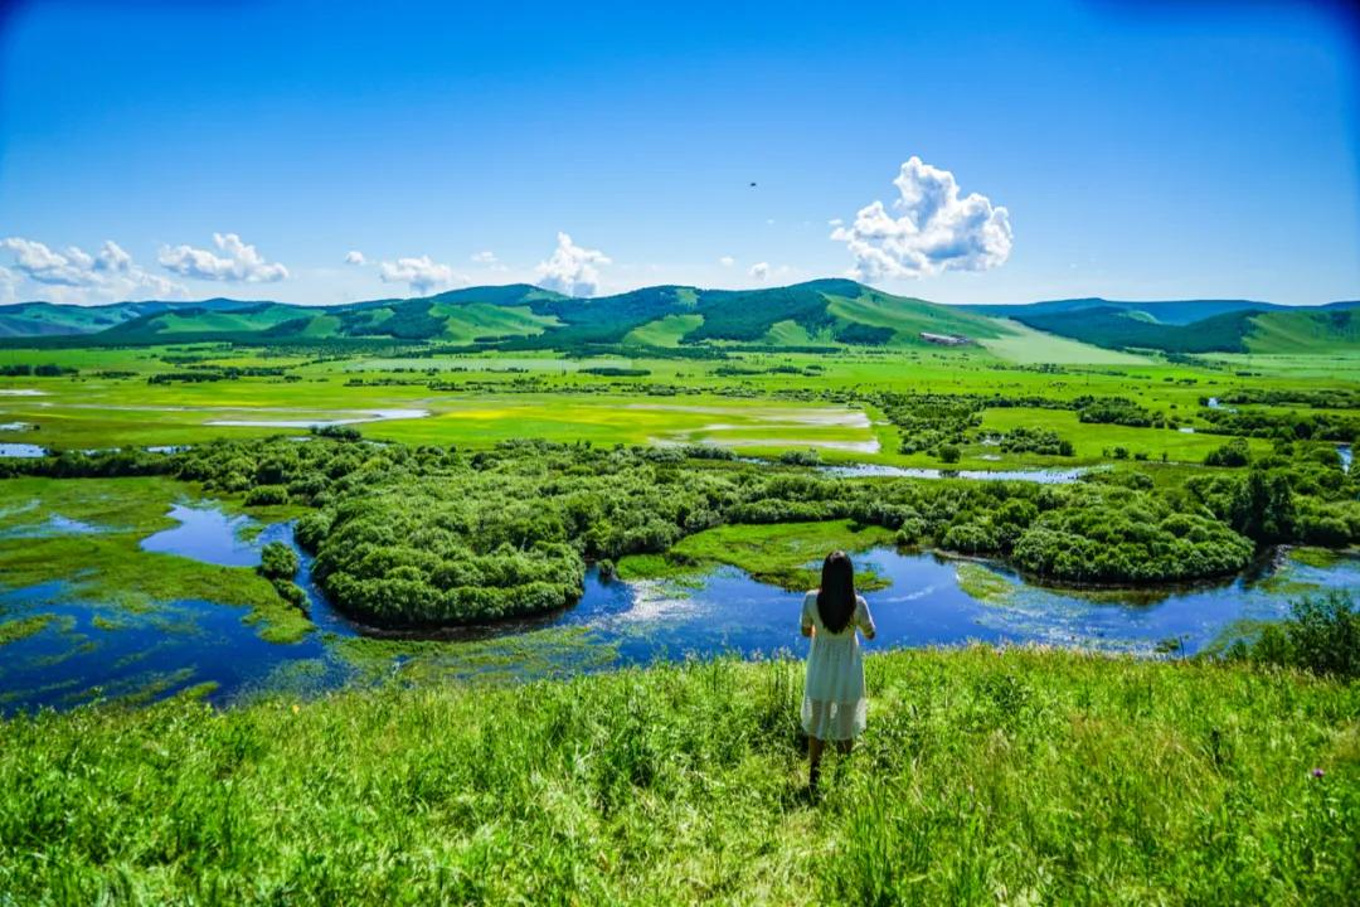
pixel 421 274
pixel 355 257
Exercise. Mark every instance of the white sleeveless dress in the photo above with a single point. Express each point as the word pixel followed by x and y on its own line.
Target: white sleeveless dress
pixel 834 706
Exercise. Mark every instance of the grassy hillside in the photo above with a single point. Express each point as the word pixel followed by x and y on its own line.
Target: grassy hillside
pixel 908 318
pixel 1120 329
pixel 164 325
pixel 986 776
pixel 1027 346
pixel 1332 329
pixel 664 332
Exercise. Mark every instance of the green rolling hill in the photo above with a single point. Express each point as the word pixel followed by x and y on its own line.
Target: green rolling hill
pixel 823 313
pixel 819 314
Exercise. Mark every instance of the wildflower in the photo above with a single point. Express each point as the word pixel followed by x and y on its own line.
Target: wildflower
pixel 295 708
pixel 1318 773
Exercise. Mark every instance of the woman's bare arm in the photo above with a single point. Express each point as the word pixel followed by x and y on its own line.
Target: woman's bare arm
pixel 865 620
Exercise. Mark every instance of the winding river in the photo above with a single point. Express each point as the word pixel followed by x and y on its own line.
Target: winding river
pixel 92 650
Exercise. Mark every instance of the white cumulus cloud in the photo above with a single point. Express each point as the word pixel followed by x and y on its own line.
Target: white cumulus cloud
pixel 485 258
pixel 79 276
pixel 423 275
pixel 239 261
pixel 760 270
pixel 727 261
pixel 572 269
pixel 355 257
pixel 936 231
pixel 8 282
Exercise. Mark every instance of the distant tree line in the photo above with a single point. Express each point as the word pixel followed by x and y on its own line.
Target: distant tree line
pixel 46 370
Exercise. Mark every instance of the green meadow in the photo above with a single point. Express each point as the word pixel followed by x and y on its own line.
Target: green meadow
pixel 985 777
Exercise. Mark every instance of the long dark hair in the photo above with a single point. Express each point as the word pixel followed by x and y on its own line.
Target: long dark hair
pixel 836 597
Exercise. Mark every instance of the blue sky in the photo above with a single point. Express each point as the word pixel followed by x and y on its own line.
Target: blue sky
pixel 1135 156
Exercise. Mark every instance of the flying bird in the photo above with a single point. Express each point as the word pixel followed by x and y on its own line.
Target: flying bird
pixel 753 184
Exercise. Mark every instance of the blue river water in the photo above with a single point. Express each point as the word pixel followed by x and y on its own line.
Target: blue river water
pixel 92 650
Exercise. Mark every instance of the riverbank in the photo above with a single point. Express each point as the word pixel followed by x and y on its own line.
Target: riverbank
pixel 1017 775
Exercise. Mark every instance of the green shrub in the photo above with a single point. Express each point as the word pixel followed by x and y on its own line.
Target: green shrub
pixel 277 562
pixel 1233 454
pixel 266 495
pixel 1322 635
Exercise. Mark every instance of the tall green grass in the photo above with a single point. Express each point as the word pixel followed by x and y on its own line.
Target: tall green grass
pixel 985 777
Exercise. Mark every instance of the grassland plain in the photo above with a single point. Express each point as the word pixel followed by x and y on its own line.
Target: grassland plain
pixel 477 400
pixel 1015 776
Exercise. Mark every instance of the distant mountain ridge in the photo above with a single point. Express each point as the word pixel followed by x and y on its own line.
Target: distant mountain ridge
pixel 1175 311
pixel 1193 326
pixel 817 314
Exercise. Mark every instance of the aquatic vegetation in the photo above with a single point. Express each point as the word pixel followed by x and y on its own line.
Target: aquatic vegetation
pixel 24 627
pixel 111 568
pixel 983 584
pixel 1322 558
pixel 560 652
pixel 787 555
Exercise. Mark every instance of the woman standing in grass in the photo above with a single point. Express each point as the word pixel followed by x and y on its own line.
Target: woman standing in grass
pixel 834 706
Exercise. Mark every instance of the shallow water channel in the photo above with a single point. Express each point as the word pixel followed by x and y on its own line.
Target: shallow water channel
pixel 92 650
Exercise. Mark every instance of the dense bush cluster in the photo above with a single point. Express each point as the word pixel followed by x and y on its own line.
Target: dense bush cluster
pixel 1042 441
pixel 1290 426
pixel 1331 398
pixel 418 535
pixel 930 421
pixel 1114 411
pixel 1235 453
pixel 1291 496
pixel 1139 539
